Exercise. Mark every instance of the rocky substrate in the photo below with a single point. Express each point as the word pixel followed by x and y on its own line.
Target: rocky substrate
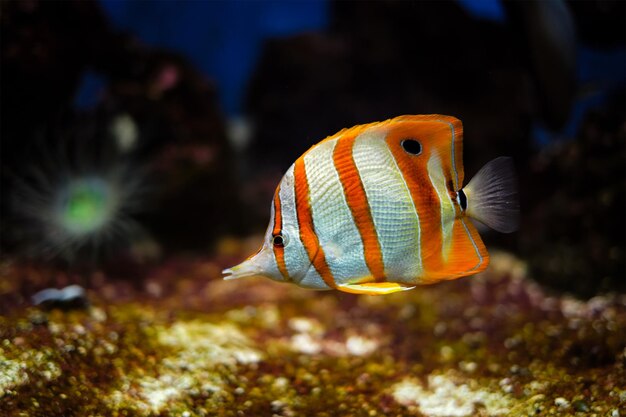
pixel 182 342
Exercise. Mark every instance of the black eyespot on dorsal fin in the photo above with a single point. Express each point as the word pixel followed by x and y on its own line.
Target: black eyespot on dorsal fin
pixel 411 146
pixel 462 199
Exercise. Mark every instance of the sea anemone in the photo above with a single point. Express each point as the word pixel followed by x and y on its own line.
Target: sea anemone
pixel 75 202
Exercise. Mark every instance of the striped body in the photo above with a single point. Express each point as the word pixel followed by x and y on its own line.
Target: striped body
pixel 358 211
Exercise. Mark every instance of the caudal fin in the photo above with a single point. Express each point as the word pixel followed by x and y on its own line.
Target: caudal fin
pixel 491 196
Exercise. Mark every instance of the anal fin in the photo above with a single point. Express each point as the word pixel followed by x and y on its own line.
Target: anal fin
pixel 374 288
pixel 466 255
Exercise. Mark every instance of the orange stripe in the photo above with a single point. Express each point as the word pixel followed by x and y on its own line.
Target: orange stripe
pixel 415 173
pixel 305 222
pixel 359 206
pixel 279 251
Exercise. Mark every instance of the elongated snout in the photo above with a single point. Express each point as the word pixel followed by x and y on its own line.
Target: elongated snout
pixel 262 264
pixel 247 268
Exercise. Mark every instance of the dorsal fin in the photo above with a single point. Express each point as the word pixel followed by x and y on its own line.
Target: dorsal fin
pixel 438 132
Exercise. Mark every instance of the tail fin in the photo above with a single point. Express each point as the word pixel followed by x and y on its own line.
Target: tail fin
pixel 492 196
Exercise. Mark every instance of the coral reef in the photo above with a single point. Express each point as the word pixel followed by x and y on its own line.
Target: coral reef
pixel 182 342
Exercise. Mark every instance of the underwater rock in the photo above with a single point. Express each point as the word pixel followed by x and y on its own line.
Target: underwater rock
pixel 491 345
pixel 182 135
pixel 600 23
pixel 46 47
pixel 546 35
pixel 445 398
pixel 573 226
pixel 68 298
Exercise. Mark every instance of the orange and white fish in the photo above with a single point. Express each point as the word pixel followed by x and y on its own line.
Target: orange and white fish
pixel 381 207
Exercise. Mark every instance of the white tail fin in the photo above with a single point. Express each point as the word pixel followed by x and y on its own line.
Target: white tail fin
pixel 492 196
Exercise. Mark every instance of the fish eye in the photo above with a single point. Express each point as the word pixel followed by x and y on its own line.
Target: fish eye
pixel 279 240
pixel 411 146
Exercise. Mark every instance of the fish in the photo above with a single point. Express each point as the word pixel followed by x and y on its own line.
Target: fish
pixel 380 208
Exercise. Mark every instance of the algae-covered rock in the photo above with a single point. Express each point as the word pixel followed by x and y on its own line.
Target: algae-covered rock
pixel 185 343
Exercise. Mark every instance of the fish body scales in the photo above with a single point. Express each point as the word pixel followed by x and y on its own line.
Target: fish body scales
pixel 332 218
pixel 395 218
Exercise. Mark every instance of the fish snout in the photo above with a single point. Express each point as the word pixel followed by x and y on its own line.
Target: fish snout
pixel 245 269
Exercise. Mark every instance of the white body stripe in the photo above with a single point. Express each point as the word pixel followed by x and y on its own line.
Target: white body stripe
pixel 448 214
pixel 332 218
pixel 296 258
pixel 270 263
pixel 393 211
pixel 480 258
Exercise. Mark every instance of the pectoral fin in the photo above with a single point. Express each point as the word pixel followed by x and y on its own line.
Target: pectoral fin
pixel 374 288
